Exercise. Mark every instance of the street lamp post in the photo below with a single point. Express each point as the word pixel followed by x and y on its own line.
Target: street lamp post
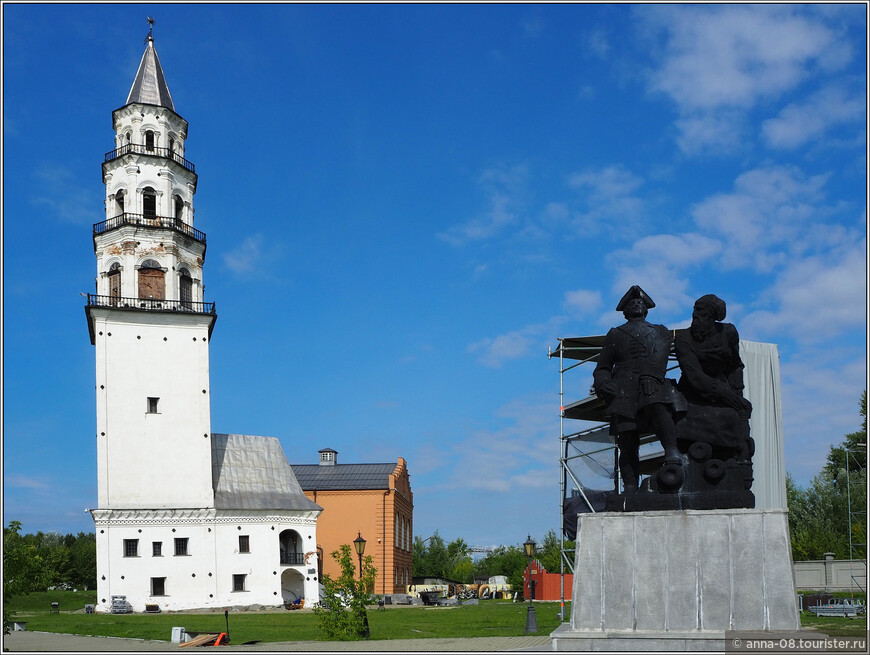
pixel 531 621
pixel 359 545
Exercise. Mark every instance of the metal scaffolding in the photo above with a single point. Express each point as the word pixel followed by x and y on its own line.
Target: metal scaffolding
pixel 857 508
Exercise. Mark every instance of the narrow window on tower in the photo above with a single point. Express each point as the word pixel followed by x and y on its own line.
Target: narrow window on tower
pixel 152 405
pixel 158 586
pixel 244 543
pixel 157 549
pixel 131 548
pixel 181 546
pixel 114 278
pixel 149 140
pixel 149 202
pixel 239 581
pixel 119 203
pixel 185 288
pixel 179 207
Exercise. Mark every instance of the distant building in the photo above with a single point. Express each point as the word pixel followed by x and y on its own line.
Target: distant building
pixel 185 518
pixel 370 500
pixel 548 586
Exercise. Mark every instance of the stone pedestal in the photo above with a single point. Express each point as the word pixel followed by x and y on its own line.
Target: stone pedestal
pixel 677 580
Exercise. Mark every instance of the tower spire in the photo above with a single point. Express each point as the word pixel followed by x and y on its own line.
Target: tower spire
pixel 149 86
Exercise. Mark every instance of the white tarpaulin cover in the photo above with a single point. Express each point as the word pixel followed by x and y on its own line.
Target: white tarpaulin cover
pixel 763 390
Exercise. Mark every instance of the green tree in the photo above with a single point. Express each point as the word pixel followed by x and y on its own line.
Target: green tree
pixel 509 561
pixel 83 560
pixel 550 552
pixel 431 559
pixel 852 452
pixel 459 562
pixel 24 569
pixel 341 613
pixel 821 515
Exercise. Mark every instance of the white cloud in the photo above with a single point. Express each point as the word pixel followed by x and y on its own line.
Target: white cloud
pixel 813 380
pixel 503 186
pixel 67 199
pixel 24 482
pixel 717 132
pixel 720 61
pixel 733 56
pixel 656 263
pixel 610 194
pixel 799 123
pixel 495 351
pixel 597 43
pixel 247 256
pixel 816 298
pixel 582 301
pixel 499 458
pixel 768 208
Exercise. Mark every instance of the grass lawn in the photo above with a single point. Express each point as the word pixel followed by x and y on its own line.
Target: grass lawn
pixel 835 626
pixel 492 618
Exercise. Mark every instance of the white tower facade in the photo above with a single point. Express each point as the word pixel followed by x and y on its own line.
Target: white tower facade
pixel 185 518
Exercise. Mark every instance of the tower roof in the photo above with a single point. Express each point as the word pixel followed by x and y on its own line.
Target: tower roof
pixel 149 87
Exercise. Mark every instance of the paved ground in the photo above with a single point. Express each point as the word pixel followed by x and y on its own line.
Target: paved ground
pixel 51 642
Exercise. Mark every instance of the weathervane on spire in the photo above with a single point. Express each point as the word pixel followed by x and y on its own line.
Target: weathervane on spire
pixel 150 28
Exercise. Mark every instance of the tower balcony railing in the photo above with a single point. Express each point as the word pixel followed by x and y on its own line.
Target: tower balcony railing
pixel 140 149
pixel 151 304
pixel 149 220
pixel 292 558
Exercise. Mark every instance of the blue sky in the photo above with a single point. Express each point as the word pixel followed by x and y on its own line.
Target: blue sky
pixel 407 205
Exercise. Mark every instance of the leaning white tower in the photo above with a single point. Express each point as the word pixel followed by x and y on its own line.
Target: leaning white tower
pixel 185 518
pixel 147 319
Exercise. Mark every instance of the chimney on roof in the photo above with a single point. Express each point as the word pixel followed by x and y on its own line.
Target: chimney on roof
pixel 328 457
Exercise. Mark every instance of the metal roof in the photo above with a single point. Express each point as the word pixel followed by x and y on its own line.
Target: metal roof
pixel 149 86
pixel 342 477
pixel 253 473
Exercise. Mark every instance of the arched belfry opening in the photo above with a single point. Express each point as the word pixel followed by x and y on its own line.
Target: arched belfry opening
pixel 152 280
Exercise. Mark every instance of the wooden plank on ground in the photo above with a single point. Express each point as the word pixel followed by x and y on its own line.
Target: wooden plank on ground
pixel 201 640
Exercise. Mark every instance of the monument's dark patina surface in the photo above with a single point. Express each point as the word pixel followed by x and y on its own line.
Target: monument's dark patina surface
pixel 702 422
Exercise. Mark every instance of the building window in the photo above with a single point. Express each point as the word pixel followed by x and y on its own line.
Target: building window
pixel 327 456
pixel 244 543
pixel 131 548
pixel 185 288
pixel 119 202
pixel 179 207
pixel 181 546
pixel 158 586
pixel 152 405
pixel 149 140
pixel 114 276
pixel 157 549
pixel 239 581
pixel 149 202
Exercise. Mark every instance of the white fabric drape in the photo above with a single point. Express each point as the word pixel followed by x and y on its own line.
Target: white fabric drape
pixel 763 390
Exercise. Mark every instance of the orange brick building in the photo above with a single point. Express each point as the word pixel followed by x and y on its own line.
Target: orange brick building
pixel 372 500
pixel 548 586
